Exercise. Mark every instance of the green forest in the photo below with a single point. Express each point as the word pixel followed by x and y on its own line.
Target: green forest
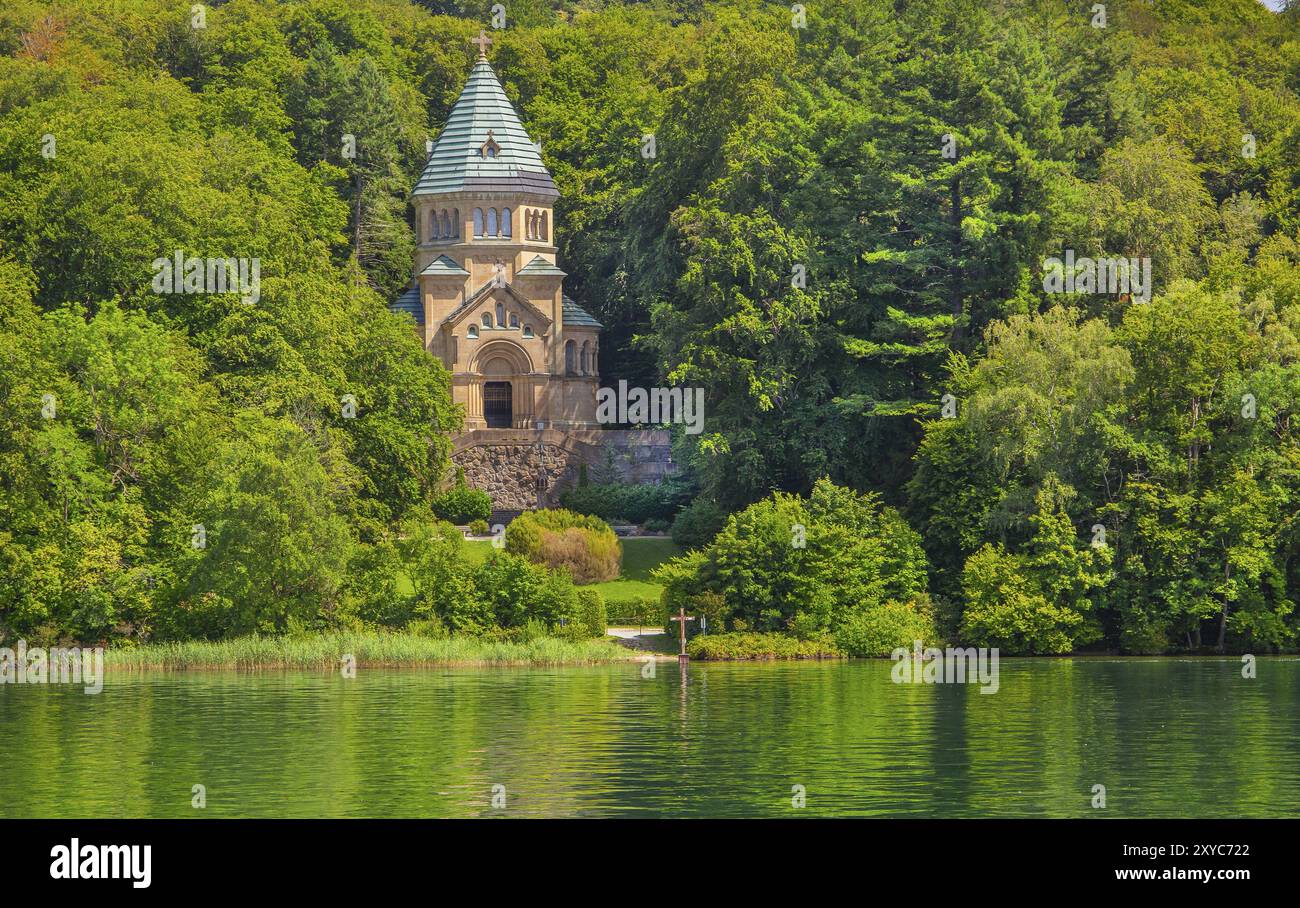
pixel 843 236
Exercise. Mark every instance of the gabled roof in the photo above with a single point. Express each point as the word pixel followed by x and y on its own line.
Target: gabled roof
pixel 445 266
pixel 457 162
pixel 409 302
pixel 540 265
pixel 458 314
pixel 578 317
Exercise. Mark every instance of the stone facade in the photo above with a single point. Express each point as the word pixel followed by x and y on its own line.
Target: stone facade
pixel 524 469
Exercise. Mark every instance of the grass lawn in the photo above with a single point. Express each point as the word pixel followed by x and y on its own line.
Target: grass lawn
pixel 641 555
pixel 477 550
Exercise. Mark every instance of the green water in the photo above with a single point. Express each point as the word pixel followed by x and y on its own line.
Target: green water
pixel 1182 738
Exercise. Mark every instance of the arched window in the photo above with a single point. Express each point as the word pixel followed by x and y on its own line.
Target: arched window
pixel 528 330
pixel 570 354
pixel 472 332
pixel 478 221
pixel 487 320
pixel 586 348
pixel 501 315
pixel 446 224
pixel 514 319
pixel 544 231
pixel 505 222
pixel 455 222
pixel 492 222
pixel 433 226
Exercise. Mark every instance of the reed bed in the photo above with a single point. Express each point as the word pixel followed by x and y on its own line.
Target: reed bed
pixel 327 651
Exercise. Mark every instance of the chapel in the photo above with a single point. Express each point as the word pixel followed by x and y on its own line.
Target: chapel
pixel 487 297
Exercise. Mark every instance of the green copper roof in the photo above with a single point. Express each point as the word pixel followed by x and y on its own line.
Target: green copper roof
pixel 457 162
pixel 409 302
pixel 445 266
pixel 540 265
pixel 576 316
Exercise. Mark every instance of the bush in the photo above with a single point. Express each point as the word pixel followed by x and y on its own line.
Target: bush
pixel 377 590
pixel 758 646
pixel 880 629
pixel 641 611
pixel 655 525
pixel 635 503
pixel 461 505
pixel 698 523
pixel 815 559
pixel 479 527
pixel 516 592
pixel 442 581
pixel 583 546
pixel 591 612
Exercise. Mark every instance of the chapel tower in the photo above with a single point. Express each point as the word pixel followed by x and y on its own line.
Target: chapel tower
pixel 487 295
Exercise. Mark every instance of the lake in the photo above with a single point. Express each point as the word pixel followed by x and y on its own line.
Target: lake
pixel 1167 737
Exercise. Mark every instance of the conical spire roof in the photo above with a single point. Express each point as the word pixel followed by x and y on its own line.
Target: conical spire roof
pixel 484 147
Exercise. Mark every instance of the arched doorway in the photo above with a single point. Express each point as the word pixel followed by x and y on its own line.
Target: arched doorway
pixel 498 406
pixel 504 392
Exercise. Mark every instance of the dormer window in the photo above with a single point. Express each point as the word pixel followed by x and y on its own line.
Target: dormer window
pixel 490 148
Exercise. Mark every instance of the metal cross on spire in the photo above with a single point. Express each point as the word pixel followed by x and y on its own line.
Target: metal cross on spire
pixel 482 41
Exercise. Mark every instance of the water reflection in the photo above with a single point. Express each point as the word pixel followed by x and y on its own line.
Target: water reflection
pixel 1166 738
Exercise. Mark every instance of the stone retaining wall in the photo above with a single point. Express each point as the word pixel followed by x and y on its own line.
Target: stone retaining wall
pixel 528 468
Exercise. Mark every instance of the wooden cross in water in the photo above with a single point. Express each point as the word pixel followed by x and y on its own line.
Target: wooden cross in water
pixel 681 617
pixel 482 41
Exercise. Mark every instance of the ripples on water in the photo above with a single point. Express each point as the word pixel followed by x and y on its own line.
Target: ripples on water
pixel 1166 737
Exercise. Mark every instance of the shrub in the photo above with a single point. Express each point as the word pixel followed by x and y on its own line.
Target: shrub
pixel 758 646
pixel 591 612
pixel 479 527
pixel 442 581
pixel 878 630
pixel 698 523
pixel 583 546
pixel 432 628
pixel 642 611
pixel 636 503
pixel 655 525
pixel 461 505
pixel 517 592
pixel 820 557
pixel 377 589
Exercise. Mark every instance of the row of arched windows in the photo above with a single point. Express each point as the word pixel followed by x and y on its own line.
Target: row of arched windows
pixel 496 225
pixel 444 224
pixel 579 360
pixel 503 319
pixel 535 225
